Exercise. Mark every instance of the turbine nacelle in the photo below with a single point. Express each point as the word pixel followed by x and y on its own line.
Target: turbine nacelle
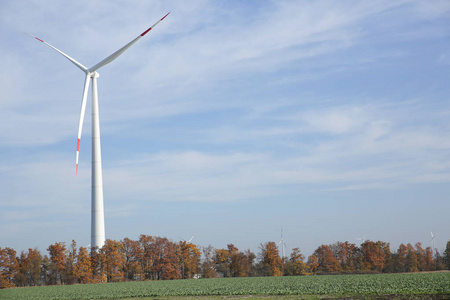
pixel 93 74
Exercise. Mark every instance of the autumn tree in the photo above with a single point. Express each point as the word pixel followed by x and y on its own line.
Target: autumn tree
pixel 83 267
pixel 388 257
pixel 189 256
pixel 114 260
pixel 134 255
pixel 208 270
pixel 326 260
pixel 347 255
pixel 234 261
pixel 57 268
pixel 295 265
pixel 222 262
pixel 241 263
pixel 312 263
pixel 429 261
pixel 247 262
pixel 412 263
pixel 271 259
pixel 30 268
pixel 147 261
pixel 166 262
pixel 9 267
pixel 400 259
pixel 70 263
pixel 421 257
pixel 373 255
pixel 98 265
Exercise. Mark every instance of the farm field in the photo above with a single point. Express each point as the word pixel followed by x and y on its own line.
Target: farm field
pixel 382 286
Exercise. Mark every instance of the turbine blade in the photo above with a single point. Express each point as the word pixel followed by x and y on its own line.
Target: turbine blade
pixel 123 49
pixel 79 65
pixel 83 110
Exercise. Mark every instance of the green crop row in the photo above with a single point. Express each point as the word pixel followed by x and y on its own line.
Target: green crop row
pixel 383 284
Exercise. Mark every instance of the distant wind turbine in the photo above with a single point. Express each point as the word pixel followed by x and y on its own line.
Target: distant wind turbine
pixel 433 243
pixel 188 241
pixel 282 243
pixel 192 237
pixel 97 214
pixel 363 239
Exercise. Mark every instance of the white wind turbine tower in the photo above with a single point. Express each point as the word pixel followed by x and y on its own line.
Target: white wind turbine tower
pixel 97 214
pixel 282 243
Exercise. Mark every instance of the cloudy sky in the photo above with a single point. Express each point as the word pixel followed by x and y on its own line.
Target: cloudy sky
pixel 231 119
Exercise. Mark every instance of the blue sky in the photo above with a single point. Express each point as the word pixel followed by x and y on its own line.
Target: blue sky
pixel 230 119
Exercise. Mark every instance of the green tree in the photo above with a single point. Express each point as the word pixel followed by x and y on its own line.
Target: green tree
pixel 447 255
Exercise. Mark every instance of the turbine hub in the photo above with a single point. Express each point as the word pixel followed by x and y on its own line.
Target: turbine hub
pixel 94 74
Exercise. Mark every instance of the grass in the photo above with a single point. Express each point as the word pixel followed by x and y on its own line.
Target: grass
pixel 382 286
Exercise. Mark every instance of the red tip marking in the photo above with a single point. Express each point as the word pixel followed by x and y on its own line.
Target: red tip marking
pixel 78 145
pixel 165 16
pixel 76 170
pixel 39 39
pixel 145 32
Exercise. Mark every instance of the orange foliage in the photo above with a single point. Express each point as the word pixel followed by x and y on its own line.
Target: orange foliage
pixel 271 259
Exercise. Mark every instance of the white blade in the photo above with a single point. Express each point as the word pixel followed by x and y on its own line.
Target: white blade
pixel 192 237
pixel 83 110
pixel 123 49
pixel 83 68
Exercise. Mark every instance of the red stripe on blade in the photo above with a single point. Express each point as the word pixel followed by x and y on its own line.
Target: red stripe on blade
pixel 78 145
pixel 145 32
pixel 39 39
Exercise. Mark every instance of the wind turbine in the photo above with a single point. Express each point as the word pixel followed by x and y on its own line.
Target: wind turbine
pixel 188 241
pixel 282 243
pixel 97 214
pixel 363 239
pixel 192 237
pixel 433 243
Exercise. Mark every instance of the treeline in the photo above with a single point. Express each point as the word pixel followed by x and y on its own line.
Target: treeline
pixel 156 258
